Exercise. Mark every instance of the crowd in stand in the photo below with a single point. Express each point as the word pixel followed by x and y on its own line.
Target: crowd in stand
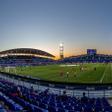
pixel 24 61
pixel 88 58
pixel 15 98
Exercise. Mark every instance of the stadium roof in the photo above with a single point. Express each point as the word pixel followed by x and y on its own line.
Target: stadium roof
pixel 26 51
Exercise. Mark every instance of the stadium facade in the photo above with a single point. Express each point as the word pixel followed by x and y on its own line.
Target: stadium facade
pixel 25 56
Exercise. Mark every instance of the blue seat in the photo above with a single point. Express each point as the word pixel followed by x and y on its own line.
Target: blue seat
pixel 42 105
pixel 61 110
pixel 52 109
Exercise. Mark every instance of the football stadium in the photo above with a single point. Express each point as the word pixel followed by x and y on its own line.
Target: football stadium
pixel 39 83
pixel 87 68
pixel 55 55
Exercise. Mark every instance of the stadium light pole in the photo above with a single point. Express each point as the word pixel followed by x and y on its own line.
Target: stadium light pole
pixel 61 48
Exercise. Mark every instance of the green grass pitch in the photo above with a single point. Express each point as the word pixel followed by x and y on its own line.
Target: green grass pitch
pixel 81 73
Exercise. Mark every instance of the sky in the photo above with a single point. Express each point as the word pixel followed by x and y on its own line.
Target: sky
pixel 44 24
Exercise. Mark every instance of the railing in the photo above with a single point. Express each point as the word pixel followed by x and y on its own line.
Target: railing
pixel 72 89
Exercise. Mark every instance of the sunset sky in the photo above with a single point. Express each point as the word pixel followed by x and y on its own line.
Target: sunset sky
pixel 44 24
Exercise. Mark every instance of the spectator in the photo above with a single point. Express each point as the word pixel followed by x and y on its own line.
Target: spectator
pixel 84 99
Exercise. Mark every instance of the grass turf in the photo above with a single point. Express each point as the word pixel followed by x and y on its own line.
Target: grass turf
pixel 84 73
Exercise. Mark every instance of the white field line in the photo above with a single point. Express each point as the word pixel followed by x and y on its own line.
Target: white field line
pixel 68 65
pixel 103 75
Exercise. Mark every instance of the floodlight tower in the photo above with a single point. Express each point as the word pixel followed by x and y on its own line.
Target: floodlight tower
pixel 61 47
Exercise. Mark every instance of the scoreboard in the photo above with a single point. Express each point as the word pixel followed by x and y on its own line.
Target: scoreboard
pixel 91 51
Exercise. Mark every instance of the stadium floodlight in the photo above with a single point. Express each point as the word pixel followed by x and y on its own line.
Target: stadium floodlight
pixel 61 44
pixel 61 47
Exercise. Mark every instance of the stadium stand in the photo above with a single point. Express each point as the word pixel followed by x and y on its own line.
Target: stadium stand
pixel 98 58
pixel 17 98
pixel 25 57
pixel 90 57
